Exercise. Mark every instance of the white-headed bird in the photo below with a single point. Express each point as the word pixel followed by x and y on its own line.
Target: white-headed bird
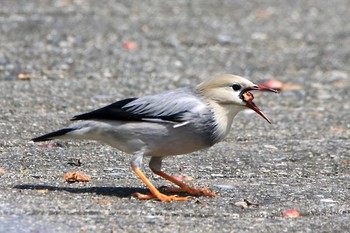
pixel 171 123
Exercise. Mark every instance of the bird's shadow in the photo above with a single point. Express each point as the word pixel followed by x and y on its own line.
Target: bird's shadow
pixel 107 191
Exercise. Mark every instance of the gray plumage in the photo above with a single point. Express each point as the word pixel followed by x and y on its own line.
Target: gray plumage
pixel 153 122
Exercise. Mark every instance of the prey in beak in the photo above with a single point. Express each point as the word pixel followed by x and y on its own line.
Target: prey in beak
pixel 248 97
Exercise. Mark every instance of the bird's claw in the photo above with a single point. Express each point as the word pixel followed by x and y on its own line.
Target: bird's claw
pixel 160 197
pixel 192 191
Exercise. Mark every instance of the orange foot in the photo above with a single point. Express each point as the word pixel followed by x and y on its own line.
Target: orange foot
pixel 196 192
pixel 184 187
pixel 161 197
pixel 154 191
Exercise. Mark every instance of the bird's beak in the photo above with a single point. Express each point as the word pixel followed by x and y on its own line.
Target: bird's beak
pixel 248 97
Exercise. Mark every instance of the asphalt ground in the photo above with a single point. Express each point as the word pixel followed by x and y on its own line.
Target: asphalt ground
pixel 59 58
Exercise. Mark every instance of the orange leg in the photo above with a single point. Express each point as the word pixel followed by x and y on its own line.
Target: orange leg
pixel 184 187
pixel 155 192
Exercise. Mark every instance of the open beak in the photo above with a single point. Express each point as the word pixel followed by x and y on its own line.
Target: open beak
pixel 248 97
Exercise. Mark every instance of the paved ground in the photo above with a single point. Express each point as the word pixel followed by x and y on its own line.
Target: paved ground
pixel 63 57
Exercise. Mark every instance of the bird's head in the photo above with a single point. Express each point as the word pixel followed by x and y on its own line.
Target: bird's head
pixel 232 92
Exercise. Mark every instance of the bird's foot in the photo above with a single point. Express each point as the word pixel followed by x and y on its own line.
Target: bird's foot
pixel 160 197
pixel 192 191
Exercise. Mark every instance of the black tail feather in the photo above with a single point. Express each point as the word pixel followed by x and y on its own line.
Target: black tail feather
pixel 52 135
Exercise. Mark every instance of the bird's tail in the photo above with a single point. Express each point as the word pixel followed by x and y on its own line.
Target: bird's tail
pixel 53 135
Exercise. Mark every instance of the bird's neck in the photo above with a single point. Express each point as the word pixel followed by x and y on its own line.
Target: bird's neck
pixel 224 116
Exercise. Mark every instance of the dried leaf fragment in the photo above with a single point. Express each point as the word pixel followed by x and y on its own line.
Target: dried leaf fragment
pixel 72 177
pixel 130 45
pixel 280 86
pixel 24 76
pixel 42 190
pixel 274 84
pixel 241 204
pixel 245 204
pixel 291 214
pixel 3 171
pixel 345 162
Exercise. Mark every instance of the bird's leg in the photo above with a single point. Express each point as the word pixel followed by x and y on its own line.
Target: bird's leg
pixel 155 165
pixel 136 162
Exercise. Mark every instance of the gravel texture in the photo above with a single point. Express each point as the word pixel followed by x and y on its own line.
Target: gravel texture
pixel 63 57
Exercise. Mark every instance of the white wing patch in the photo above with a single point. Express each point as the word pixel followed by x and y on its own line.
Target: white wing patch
pixel 181 124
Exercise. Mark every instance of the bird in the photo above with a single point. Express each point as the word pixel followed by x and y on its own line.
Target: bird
pixel 173 122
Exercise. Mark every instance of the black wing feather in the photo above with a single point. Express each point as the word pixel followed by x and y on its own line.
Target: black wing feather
pixel 50 136
pixel 116 111
pixel 110 112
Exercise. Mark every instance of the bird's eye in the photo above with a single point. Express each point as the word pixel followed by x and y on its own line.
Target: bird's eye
pixel 236 87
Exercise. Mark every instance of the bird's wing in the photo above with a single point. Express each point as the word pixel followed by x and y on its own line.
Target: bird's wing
pixel 175 106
